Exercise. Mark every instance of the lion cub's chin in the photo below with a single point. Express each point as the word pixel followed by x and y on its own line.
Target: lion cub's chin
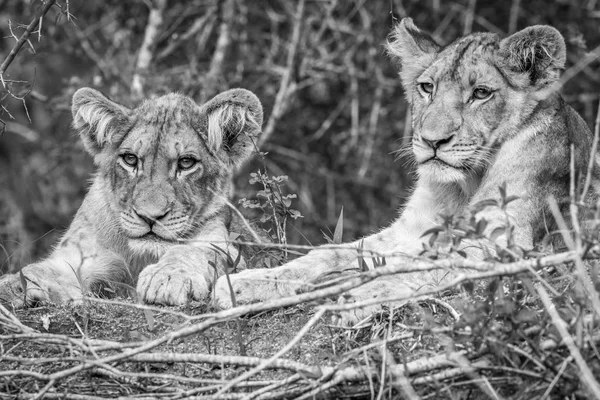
pixel 441 173
pixel 144 247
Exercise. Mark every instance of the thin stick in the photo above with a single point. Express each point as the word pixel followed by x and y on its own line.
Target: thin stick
pixel 514 16
pixel 146 54
pixel 315 318
pixel 592 161
pixel 281 100
pixel 469 17
pixel 222 47
pixel 586 374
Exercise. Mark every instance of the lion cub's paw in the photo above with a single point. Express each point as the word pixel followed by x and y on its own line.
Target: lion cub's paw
pixel 354 317
pixel 36 285
pixel 249 286
pixel 371 291
pixel 171 284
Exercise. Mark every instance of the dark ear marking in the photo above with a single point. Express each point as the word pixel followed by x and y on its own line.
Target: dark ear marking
pixel 538 51
pixel 98 119
pixel 234 121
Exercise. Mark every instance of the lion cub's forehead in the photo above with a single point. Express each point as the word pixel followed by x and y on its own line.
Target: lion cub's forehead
pixel 469 61
pixel 169 123
pixel 173 108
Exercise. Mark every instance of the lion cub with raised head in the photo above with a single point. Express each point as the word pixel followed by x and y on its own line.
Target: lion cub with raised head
pixel 157 201
pixel 484 113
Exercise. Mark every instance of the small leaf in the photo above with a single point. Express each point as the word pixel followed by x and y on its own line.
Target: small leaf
pixel 295 214
pixel 481 225
pixel 433 238
pixel 479 206
pixel 496 233
pixel 493 286
pixel 46 321
pixel 435 229
pixel 149 319
pixel 510 199
pixel 23 281
pixel 502 189
pixel 469 286
pixel 339 228
pixel 526 315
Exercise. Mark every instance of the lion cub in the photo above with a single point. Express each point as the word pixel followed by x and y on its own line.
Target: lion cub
pixel 485 113
pixel 157 201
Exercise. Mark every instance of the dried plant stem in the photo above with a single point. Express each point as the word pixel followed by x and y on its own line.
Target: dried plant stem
pixel 593 155
pixel 586 374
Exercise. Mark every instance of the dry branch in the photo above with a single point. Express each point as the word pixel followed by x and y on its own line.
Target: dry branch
pixel 146 54
pixel 199 25
pixel 215 70
pixel 587 375
pixel 286 87
pixel 24 37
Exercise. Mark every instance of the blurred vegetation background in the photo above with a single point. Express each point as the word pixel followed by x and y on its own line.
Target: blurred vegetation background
pixel 334 109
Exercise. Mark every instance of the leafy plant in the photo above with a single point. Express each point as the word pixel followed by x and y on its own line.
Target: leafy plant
pixel 273 203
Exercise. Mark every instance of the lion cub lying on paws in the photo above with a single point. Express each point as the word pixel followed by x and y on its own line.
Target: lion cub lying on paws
pixel 485 113
pixel 157 201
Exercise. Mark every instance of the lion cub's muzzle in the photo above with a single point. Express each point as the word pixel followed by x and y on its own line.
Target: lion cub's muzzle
pixel 153 224
pixel 435 149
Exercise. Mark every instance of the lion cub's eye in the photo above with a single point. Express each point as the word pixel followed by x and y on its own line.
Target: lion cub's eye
pixel 481 93
pixel 426 87
pixel 130 159
pixel 185 163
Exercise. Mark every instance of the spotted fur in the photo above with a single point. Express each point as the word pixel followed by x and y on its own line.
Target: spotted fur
pixel 157 202
pixel 484 113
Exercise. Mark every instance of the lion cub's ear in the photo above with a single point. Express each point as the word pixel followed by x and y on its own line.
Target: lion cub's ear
pixel 534 56
pixel 234 121
pixel 99 120
pixel 414 49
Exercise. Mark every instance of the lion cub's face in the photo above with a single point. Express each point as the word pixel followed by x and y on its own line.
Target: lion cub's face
pixel 167 164
pixel 470 97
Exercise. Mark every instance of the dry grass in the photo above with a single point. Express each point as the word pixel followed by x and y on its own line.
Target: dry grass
pixel 526 332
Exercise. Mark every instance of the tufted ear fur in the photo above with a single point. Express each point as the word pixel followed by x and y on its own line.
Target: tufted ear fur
pixel 234 121
pixel 414 49
pixel 534 56
pixel 98 119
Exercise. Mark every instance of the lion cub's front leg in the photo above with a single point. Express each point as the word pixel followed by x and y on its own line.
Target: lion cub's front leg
pixel 183 273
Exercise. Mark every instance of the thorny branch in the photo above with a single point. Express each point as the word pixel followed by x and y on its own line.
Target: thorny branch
pixel 28 30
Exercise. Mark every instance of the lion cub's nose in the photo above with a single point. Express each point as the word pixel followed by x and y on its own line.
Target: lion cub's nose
pixel 151 217
pixel 437 143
